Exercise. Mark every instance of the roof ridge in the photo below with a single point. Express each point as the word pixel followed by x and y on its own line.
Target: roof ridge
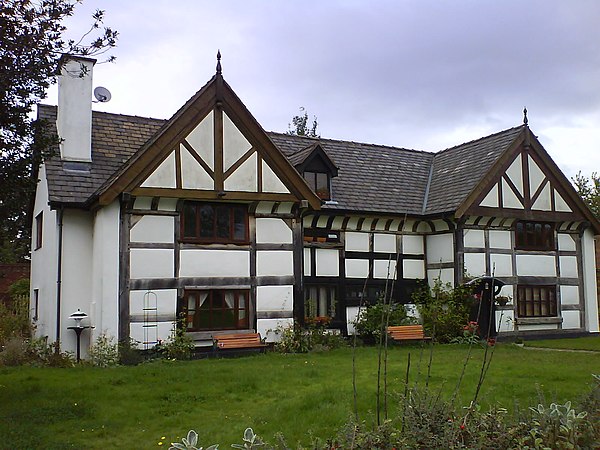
pixel 391 147
pixel 479 139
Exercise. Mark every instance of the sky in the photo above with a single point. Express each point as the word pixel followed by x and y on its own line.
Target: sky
pixel 422 74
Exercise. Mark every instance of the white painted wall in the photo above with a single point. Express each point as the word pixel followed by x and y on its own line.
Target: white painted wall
pixel 500 239
pixel 475 264
pixel 273 230
pixel 307 262
pixel 385 243
pixel 43 263
pixel 164 300
pixel 356 242
pixel 164 331
pixel 445 276
pixel 152 263
pixel 474 238
pixel 536 265
pixel 164 175
pixel 413 268
pixel 505 321
pixel 568 266
pixel 104 310
pixel 440 248
pixel 571 320
pixel 214 263
pixel 203 141
pixel 328 262
pixel 501 265
pixel 566 242
pixel 77 274
pixel 268 328
pixel 413 245
pixel 357 268
pixel 153 229
pixel 275 298
pixel 351 316
pixel 569 295
pixel 274 263
pixel 384 269
pixel 589 281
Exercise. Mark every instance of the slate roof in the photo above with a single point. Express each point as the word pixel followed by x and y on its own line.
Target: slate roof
pixel 371 178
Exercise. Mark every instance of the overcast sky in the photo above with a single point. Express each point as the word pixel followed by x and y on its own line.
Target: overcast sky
pixel 409 73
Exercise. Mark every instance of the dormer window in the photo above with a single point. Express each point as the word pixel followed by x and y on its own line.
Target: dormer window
pixel 319 182
pixel 317 168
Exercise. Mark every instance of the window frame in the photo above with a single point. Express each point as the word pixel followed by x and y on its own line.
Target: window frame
pixel 335 299
pixel 311 178
pixel 39 230
pixel 543 239
pixel 36 304
pixel 550 303
pixel 214 237
pixel 238 294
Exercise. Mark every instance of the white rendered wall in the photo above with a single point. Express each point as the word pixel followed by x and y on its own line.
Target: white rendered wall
pixel 77 274
pixel 268 328
pixel 153 229
pixel 475 264
pixel 273 230
pixel 589 281
pixel 152 263
pixel 536 265
pixel 274 263
pixel 500 239
pixel 571 320
pixel 356 242
pixel 440 248
pixel 214 263
pixel 104 310
pixel 357 268
pixel 43 263
pixel 413 245
pixel 275 298
pixel 327 262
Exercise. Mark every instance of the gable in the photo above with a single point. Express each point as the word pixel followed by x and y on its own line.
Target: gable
pixel 527 184
pixel 212 148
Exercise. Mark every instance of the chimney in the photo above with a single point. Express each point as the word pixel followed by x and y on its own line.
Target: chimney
pixel 74 118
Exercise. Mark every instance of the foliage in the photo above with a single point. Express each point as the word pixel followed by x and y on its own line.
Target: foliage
pixel 179 345
pixel 32 37
pixel 313 337
pixel 251 441
pixel 14 320
pixel 469 335
pixel 444 309
pixel 104 352
pixel 19 288
pixel 129 355
pixel 589 190
pixel 369 323
pixel 19 351
pixel 300 126
pixel 190 442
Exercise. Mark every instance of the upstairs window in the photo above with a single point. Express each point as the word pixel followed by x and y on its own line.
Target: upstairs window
pixel 534 236
pixel 214 223
pixel 39 226
pixel 319 183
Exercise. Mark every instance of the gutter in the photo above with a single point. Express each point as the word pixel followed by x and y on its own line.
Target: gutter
pixel 59 275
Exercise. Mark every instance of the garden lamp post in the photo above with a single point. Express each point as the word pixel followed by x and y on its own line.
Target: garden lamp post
pixel 78 317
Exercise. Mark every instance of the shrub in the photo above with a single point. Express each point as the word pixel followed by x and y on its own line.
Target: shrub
pixel 104 352
pixel 446 307
pixel 14 320
pixel 179 345
pixel 370 325
pixel 129 355
pixel 313 337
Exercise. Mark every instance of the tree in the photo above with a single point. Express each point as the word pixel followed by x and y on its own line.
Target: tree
pixel 300 125
pixel 589 190
pixel 32 41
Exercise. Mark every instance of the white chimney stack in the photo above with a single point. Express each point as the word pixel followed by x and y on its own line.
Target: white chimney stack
pixel 74 118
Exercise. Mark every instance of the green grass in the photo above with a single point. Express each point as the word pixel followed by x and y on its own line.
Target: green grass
pixel 298 395
pixel 591 343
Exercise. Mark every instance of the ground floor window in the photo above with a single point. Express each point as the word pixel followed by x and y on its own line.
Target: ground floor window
pixel 320 301
pixel 536 301
pixel 217 309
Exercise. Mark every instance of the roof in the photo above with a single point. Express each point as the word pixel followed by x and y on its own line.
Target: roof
pixel 371 178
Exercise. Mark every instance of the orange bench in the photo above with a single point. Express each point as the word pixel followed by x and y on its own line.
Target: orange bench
pixel 407 333
pixel 239 341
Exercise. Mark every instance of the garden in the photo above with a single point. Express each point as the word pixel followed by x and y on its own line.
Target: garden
pixel 314 390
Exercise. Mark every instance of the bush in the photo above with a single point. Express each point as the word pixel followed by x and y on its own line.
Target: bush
pixel 104 352
pixel 129 355
pixel 313 337
pixel 14 320
pixel 369 324
pixel 446 307
pixel 179 345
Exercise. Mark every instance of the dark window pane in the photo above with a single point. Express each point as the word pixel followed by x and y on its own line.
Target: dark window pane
pixel 310 178
pixel 207 221
pixel 189 220
pixel 223 222
pixel 239 224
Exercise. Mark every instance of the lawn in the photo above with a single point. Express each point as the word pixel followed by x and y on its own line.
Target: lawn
pixel 298 395
pixel 591 343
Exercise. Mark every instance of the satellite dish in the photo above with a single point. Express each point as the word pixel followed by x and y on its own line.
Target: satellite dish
pixel 102 94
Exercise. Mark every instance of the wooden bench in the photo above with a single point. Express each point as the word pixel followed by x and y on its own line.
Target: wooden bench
pixel 239 341
pixel 407 333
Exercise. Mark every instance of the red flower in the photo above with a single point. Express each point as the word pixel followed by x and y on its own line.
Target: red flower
pixel 462 426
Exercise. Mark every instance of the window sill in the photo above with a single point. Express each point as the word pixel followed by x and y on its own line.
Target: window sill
pixel 538 320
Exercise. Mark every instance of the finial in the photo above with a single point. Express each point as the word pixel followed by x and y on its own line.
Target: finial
pixel 219 62
pixel 525 121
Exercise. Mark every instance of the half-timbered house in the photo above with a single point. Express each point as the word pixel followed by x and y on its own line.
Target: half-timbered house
pixel 207 217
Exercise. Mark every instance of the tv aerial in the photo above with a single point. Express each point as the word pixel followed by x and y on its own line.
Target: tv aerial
pixel 102 95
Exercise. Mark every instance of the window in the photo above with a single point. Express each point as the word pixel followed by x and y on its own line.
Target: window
pixel 319 183
pixel 536 301
pixel 216 309
pixel 534 236
pixel 321 235
pixel 36 304
pixel 209 222
pixel 39 228
pixel 320 301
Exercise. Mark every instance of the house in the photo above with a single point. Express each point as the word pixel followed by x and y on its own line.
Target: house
pixel 208 218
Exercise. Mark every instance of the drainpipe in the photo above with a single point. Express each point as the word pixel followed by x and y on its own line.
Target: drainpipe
pixel 59 275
